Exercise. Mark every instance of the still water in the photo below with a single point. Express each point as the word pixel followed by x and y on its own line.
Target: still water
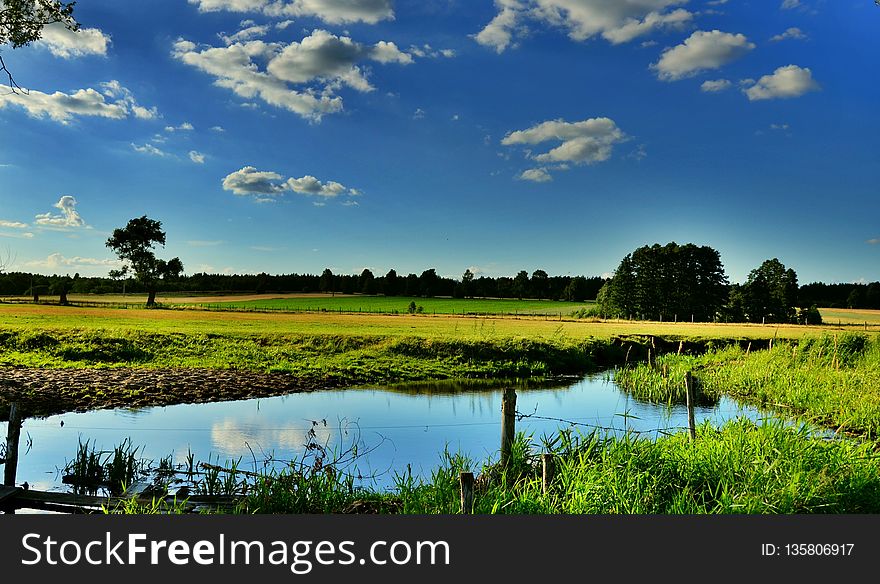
pixel 393 426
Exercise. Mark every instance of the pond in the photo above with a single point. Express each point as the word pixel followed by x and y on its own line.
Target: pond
pixel 393 426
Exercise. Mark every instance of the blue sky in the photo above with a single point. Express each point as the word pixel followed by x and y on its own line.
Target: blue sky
pixel 293 135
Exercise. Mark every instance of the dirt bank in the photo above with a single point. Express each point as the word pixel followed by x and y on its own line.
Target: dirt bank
pixel 43 392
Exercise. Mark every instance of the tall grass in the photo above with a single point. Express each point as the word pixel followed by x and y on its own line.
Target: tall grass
pixel 742 467
pixel 833 380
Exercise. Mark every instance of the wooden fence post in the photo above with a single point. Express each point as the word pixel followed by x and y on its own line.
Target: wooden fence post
pixel 12 435
pixel 508 424
pixel 466 479
pixel 689 398
pixel 547 464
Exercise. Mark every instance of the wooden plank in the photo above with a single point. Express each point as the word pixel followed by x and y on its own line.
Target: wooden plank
pixel 9 493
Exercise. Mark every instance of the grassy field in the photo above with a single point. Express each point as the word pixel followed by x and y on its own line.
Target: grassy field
pixel 400 304
pixel 850 316
pixel 59 318
pixel 833 380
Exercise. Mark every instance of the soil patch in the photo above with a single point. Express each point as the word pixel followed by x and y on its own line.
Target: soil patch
pixel 45 392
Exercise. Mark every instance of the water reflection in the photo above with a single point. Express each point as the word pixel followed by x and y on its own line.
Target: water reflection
pixel 404 425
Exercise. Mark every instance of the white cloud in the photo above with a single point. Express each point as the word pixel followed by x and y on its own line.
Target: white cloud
pixel 320 64
pixel 69 216
pixel 791 33
pixel 250 181
pixel 123 96
pixel 535 175
pixel 701 51
pixel 387 52
pixel 57 261
pixel 419 114
pixel 149 149
pixel 67 44
pixel 309 185
pixel 786 82
pixel 790 4
pixel 499 33
pixel 617 21
pixel 873 241
pixel 196 157
pixel 184 127
pixel 218 129
pixel 62 107
pixel 585 142
pixel 427 51
pixel 716 85
pixel 245 34
pixel 13 224
pixel 330 11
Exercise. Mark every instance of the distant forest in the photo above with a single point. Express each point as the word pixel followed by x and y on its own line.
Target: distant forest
pixel 428 283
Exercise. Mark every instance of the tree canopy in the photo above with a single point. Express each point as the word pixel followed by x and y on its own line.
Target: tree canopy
pixel 134 244
pixel 667 282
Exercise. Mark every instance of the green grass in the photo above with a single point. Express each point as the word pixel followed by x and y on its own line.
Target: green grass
pixel 742 467
pixel 833 380
pixel 400 305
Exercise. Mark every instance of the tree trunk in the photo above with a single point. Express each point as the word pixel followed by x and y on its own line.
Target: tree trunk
pixel 151 298
pixel 63 299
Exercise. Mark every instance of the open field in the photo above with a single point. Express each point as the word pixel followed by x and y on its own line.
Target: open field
pixel 850 316
pixel 317 302
pixel 50 317
pixel 399 305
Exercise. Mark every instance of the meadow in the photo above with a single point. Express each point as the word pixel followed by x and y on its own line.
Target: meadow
pixel 824 374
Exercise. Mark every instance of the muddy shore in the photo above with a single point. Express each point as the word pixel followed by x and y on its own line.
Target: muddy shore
pixel 45 392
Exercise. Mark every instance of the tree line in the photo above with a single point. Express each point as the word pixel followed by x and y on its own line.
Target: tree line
pixel 426 284
pixel 687 282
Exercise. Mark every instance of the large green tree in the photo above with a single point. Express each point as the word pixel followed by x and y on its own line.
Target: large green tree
pixel 667 282
pixel 22 22
pixel 770 293
pixel 134 245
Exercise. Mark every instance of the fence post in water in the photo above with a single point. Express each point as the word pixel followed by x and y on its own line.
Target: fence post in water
pixel 12 435
pixel 689 399
pixel 508 424
pixel 466 479
pixel 547 464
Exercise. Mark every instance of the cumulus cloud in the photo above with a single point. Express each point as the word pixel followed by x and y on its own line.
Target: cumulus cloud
pixel 786 82
pixel 148 149
pixel 13 224
pixel 330 11
pixel 124 97
pixel 250 181
pixel 535 175
pixel 617 21
pixel 245 34
pixel 184 127
pixel 309 185
pixel 62 107
pixel 586 142
pixel 319 65
pixel 68 217
pixel 67 44
pixel 196 157
pixel 702 51
pixel 57 261
pixel 716 85
pixel 791 33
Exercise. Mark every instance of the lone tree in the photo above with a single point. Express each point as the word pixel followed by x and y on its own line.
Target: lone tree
pixel 134 245
pixel 22 22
